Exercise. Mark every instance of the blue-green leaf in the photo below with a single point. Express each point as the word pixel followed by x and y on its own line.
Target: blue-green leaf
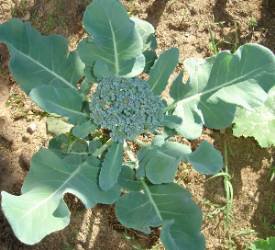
pixel 57 126
pixel 41 202
pixel 147 33
pixel 220 83
pixel 259 123
pixel 84 129
pixel 37 60
pixel 160 163
pixel 114 40
pixel 162 70
pixel 111 166
pixel 168 205
pixel 63 145
pixel 61 101
pixel 127 179
pixel 206 159
pixel 177 89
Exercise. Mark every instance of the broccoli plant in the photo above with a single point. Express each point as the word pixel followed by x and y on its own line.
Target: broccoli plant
pixel 110 89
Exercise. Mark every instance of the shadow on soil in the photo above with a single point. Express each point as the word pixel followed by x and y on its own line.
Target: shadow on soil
pixel 155 12
pixel 220 13
pixel 267 22
pixel 60 17
pixel 265 25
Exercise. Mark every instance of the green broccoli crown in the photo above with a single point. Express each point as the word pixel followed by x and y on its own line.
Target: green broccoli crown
pixel 127 107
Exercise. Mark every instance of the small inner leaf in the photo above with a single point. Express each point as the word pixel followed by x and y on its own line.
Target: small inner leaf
pixel 111 166
pixel 206 159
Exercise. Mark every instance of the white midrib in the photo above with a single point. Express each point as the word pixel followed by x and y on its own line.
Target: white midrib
pixel 117 66
pixel 68 84
pixel 238 79
pixel 41 203
pixel 69 110
pixel 148 192
pixel 155 84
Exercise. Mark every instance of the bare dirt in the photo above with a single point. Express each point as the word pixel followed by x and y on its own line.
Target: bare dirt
pixel 198 28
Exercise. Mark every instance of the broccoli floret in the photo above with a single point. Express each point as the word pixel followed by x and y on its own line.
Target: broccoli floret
pixel 127 107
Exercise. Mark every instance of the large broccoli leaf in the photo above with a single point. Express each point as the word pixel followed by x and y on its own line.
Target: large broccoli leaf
pixel 39 60
pixel 62 101
pixel 41 210
pixel 220 83
pixel 44 69
pixel 168 205
pixel 114 45
pixel 259 123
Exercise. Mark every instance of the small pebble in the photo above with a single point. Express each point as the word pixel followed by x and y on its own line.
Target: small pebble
pixel 26 138
pixel 251 195
pixel 25 159
pixel 31 128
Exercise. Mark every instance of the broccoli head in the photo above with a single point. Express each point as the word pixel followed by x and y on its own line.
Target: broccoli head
pixel 126 107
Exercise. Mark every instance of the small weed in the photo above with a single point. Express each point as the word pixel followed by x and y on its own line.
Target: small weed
pixel 252 23
pixel 132 241
pixel 272 173
pixel 214 209
pixel 20 10
pixel 214 43
pixel 229 195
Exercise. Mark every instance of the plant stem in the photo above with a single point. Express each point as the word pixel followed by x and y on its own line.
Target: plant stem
pixel 228 194
pixel 227 186
pixel 102 149
pixel 170 106
pixel 131 156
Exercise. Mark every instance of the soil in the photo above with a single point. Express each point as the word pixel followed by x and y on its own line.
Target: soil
pixel 198 28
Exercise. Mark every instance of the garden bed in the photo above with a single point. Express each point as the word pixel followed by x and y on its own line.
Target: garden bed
pixel 198 29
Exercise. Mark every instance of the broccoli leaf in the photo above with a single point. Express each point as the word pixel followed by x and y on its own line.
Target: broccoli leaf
pixel 63 145
pixel 259 123
pixel 84 129
pixel 41 202
pixel 206 159
pixel 61 101
pixel 168 205
pixel 159 167
pixel 147 33
pixel 39 60
pixel 162 69
pixel 127 179
pixel 57 126
pixel 160 162
pixel 114 40
pixel 45 69
pixel 220 83
pixel 111 166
